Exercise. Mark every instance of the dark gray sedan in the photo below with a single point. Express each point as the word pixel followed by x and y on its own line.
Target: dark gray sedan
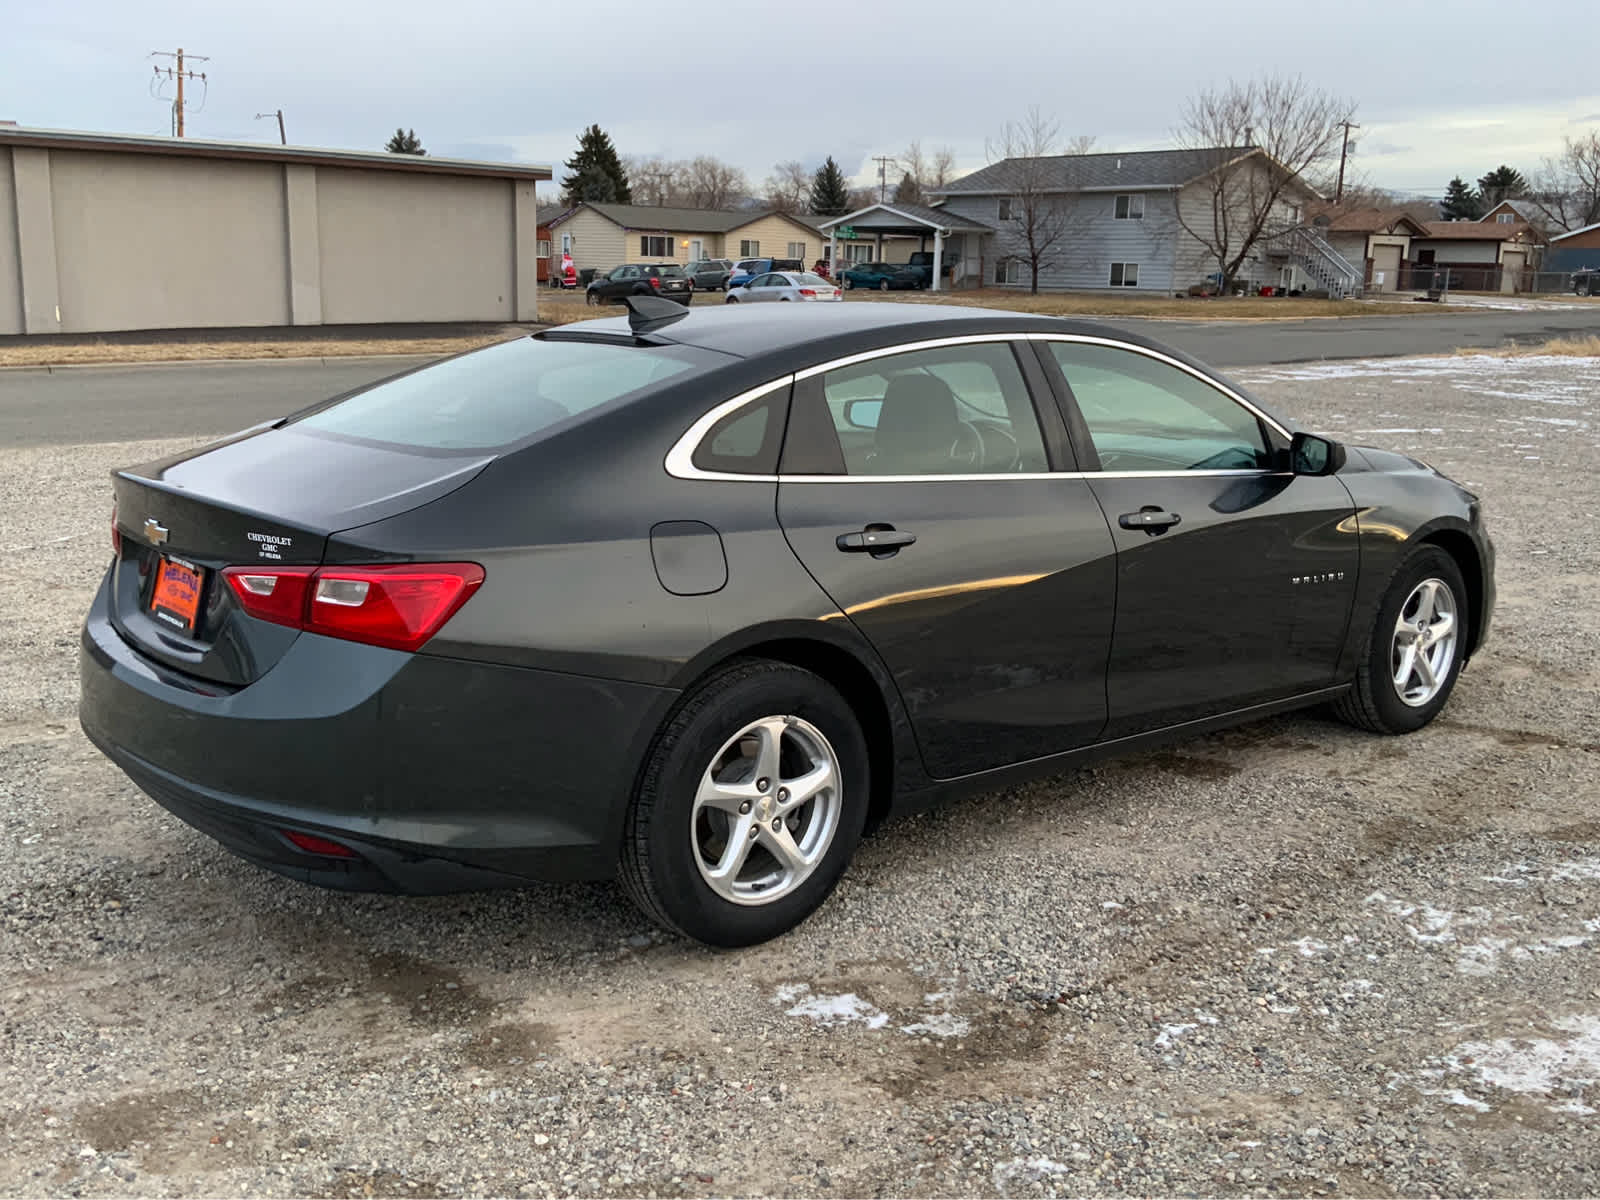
pixel 690 598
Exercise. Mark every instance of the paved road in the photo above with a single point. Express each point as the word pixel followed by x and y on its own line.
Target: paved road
pixel 106 404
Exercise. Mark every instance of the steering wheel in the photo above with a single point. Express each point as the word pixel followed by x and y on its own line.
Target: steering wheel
pixel 967 450
pixel 1010 451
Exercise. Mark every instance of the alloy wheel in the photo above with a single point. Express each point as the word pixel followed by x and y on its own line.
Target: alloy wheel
pixel 766 810
pixel 1424 646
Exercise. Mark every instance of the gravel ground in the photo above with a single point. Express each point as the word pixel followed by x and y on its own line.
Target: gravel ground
pixel 1288 959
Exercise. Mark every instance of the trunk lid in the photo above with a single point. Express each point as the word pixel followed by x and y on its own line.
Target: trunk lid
pixel 265 497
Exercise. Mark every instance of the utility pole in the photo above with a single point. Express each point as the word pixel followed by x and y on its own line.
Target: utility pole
pixel 282 138
pixel 883 161
pixel 180 75
pixel 1344 151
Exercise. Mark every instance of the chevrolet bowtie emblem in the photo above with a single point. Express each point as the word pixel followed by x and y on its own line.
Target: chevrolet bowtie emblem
pixel 154 531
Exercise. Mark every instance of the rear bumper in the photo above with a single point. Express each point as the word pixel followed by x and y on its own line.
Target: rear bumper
pixel 442 774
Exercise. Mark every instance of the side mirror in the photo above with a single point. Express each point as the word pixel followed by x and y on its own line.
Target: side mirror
pixel 1313 455
pixel 862 414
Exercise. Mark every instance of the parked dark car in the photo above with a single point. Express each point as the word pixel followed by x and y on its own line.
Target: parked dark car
pixel 883 276
pixel 921 262
pixel 710 274
pixel 689 597
pixel 641 279
pixel 747 269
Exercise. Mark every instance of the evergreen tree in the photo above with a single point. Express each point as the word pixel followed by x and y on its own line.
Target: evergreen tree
pixel 1460 202
pixel 1502 183
pixel 595 172
pixel 907 191
pixel 405 141
pixel 830 194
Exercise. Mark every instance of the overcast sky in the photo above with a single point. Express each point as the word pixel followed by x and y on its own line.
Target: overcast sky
pixel 1441 88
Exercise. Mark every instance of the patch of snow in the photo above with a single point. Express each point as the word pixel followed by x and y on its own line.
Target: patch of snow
pixel 1310 947
pixel 830 1010
pixel 1169 1032
pixel 1030 1169
pixel 1573 1106
pixel 1110 904
pixel 1534 1066
pixel 940 1025
pixel 1456 1096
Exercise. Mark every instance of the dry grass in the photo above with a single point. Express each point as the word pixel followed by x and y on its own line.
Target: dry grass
pixel 92 353
pixel 1564 347
pixel 568 306
pixel 562 308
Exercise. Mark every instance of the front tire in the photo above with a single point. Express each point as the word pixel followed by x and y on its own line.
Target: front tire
pixel 1415 648
pixel 593 300
pixel 750 806
pixel 849 284
pixel 731 300
pixel 883 286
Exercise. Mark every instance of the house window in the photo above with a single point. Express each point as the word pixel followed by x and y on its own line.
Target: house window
pixel 1007 212
pixel 655 245
pixel 1008 270
pixel 544 248
pixel 1124 274
pixel 1130 207
pixel 566 243
pixel 797 250
pixel 749 248
pixel 1505 218
pixel 858 252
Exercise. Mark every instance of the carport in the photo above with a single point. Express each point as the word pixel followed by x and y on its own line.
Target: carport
pixel 901 220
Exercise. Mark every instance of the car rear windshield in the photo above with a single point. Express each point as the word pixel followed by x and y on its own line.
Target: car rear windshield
pixel 810 280
pixel 501 394
pixel 671 271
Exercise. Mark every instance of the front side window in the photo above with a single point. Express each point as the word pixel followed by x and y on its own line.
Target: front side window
pixel 1144 414
pixel 1130 207
pixel 1124 274
pixel 954 410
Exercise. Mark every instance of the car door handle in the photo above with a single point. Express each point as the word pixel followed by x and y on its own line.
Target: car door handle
pixel 877 540
pixel 1150 519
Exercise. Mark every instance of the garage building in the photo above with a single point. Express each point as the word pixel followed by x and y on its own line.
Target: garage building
pixel 101 232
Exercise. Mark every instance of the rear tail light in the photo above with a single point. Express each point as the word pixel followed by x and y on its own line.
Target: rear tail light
pixel 655 282
pixel 399 606
pixel 116 533
pixel 812 292
pixel 312 844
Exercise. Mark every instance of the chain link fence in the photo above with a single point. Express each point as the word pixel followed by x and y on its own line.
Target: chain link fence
pixel 1454 277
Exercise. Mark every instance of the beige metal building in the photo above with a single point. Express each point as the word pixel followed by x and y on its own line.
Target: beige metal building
pixel 102 232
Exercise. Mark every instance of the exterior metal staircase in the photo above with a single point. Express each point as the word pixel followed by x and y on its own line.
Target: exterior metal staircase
pixel 1310 251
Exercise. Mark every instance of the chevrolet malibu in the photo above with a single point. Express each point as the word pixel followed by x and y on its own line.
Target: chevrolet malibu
pixel 689 599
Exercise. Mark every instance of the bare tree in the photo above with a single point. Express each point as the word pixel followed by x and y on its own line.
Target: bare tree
pixel 788 188
pixel 1567 190
pixel 862 198
pixel 1038 211
pixel 924 172
pixel 711 183
pixel 1249 199
pixel 1082 143
pixel 654 179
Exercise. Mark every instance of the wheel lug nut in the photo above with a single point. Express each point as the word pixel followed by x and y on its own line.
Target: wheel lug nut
pixel 754 830
pixel 777 824
pixel 763 784
pixel 783 795
pixel 744 808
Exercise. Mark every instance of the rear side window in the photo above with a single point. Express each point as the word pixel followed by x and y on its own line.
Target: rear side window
pixel 746 441
pixel 499 395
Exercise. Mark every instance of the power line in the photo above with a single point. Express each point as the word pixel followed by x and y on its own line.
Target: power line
pixel 180 75
pixel 883 161
pixel 283 138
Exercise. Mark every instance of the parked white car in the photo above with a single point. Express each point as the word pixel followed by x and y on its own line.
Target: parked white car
pixel 784 285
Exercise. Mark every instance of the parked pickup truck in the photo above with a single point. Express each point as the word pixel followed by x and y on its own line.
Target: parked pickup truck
pixel 922 263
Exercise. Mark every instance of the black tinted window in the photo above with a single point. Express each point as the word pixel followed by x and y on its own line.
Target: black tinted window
pixel 746 441
pixel 670 272
pixel 499 395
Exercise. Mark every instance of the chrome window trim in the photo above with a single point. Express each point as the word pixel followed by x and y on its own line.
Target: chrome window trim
pixel 680 459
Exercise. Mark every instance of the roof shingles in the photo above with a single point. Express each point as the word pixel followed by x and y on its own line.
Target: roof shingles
pixel 1100 172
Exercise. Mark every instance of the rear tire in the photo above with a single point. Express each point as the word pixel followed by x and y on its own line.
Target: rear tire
pixel 754 721
pixel 883 286
pixel 849 284
pixel 594 300
pixel 1413 651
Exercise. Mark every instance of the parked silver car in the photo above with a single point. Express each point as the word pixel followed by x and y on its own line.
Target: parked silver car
pixel 784 285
